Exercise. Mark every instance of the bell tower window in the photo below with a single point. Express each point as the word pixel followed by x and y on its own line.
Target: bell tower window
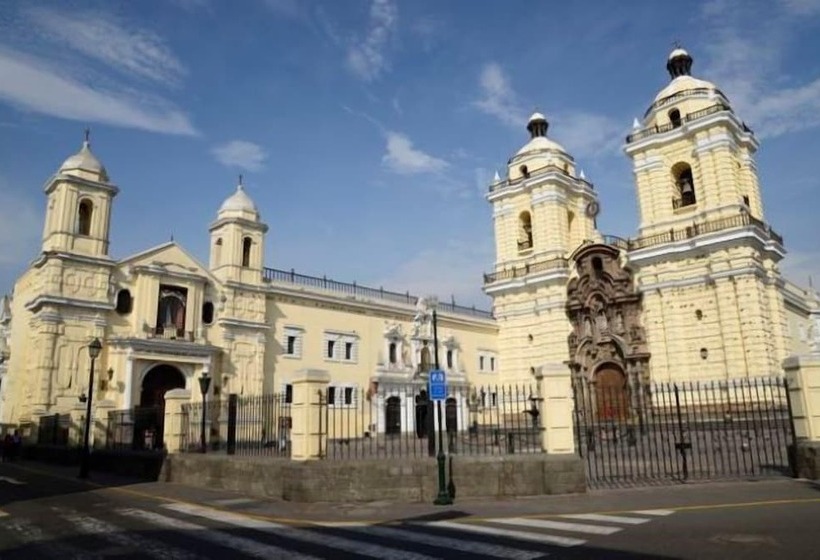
pixel 674 118
pixel 84 213
pixel 525 231
pixel 217 252
pixel 685 184
pixel 246 251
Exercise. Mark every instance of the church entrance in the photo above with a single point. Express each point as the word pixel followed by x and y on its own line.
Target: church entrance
pixel 149 416
pixel 392 416
pixel 611 393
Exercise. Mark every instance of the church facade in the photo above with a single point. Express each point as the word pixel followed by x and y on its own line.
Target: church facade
pixel 695 295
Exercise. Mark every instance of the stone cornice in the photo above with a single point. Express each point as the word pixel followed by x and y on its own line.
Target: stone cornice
pixel 51 183
pixel 227 322
pixel 38 302
pixel 43 257
pixel 168 347
pixel 242 222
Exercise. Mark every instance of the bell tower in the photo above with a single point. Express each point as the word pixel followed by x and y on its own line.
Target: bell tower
pixel 238 240
pixel 78 211
pixel 704 257
pixel 542 211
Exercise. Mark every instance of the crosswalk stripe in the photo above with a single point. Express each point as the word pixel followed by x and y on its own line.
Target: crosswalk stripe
pixel 247 546
pixel 606 518
pixel 557 525
pixel 448 542
pixel 33 536
pixel 285 531
pixel 655 512
pixel 118 536
pixel 495 531
pixel 3 513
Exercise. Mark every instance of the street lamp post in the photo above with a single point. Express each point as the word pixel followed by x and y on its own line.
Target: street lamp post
pixel 204 384
pixel 443 498
pixel 94 350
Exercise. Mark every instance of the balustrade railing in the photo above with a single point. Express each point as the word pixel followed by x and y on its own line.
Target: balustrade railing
pixel 660 129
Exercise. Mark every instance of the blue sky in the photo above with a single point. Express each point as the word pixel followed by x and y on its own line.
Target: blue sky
pixel 367 130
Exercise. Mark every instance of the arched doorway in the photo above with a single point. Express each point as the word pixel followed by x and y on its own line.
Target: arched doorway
pixel 611 393
pixel 392 416
pixel 159 381
pixel 149 416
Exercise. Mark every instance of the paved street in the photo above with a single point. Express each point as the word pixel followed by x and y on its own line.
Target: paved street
pixel 46 513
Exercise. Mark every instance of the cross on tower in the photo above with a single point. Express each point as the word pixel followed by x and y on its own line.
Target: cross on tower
pixel 87 134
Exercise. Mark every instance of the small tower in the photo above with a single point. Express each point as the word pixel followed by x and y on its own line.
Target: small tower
pixel 238 239
pixel 78 212
pixel 542 212
pixel 704 257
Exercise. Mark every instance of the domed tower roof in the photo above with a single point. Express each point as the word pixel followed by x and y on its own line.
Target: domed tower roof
pixel 679 65
pixel 239 204
pixel 84 160
pixel 537 127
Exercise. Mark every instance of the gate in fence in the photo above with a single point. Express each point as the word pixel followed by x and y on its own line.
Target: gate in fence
pixel 677 432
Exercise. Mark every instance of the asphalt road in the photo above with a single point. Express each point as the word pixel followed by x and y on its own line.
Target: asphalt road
pixel 47 513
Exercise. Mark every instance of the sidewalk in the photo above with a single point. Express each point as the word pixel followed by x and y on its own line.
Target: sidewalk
pixel 680 497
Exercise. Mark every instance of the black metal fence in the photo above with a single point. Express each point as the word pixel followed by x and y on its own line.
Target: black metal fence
pixel 53 429
pixel 674 432
pixel 138 428
pixel 240 425
pixel 401 421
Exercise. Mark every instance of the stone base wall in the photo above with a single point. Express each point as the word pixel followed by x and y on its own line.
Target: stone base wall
pixel 406 480
pixel 807 457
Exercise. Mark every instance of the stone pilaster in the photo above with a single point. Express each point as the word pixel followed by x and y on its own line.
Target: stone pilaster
pixel 174 425
pixel 555 382
pixel 308 385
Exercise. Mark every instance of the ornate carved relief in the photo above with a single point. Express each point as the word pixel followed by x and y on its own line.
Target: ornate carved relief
pixel 604 310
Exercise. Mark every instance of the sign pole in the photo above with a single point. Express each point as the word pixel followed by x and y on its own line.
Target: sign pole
pixel 437 376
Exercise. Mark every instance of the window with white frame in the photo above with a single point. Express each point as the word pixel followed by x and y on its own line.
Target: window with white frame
pixel 341 347
pixel 292 340
pixel 342 395
pixel 487 362
pixel 287 390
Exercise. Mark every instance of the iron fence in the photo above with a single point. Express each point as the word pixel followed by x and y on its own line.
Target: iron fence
pixel 675 432
pixel 138 428
pixel 53 429
pixel 240 425
pixel 401 421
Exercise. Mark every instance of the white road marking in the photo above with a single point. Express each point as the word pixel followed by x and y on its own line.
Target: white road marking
pixel 133 541
pixel 521 535
pixel 3 513
pixel 473 547
pixel 656 512
pixel 11 480
pixel 246 546
pixel 52 547
pixel 606 518
pixel 557 525
pixel 312 537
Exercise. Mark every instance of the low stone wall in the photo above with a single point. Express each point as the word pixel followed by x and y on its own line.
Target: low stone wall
pixel 807 456
pixel 144 465
pixel 405 480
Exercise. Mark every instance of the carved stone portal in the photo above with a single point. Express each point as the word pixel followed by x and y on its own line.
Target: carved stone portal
pixel 607 345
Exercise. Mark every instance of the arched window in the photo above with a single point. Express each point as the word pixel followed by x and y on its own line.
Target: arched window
pixel 246 251
pixel 84 213
pixel 449 359
pixel 674 118
pixel 217 252
pixel 597 266
pixel 425 359
pixel 524 171
pixel 524 231
pixel 124 302
pixel 207 313
pixel 685 184
pixel 570 222
pixel 392 353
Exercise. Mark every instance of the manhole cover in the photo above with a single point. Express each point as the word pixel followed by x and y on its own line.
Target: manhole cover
pixel 744 538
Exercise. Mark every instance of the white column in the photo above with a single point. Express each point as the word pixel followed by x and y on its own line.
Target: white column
pixel 129 382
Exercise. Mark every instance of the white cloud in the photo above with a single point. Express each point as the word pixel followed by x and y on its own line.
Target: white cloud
pixel 454 268
pixel 242 154
pixel 30 84
pixel 366 58
pixel 587 134
pixel 403 158
pixel 20 228
pixel 497 96
pixel 745 59
pixel 131 51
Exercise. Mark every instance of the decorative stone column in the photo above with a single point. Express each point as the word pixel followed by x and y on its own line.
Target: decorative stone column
pixel 803 377
pixel 308 385
pixel 174 423
pixel 555 381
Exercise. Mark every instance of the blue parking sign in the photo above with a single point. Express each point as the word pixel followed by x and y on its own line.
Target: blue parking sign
pixel 438 385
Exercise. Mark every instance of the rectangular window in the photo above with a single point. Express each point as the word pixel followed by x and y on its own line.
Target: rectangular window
pixel 331 344
pixel 292 339
pixel 331 395
pixel 492 364
pixel 481 363
pixel 449 359
pixel 291 346
pixel 348 350
pixel 348 395
pixel 288 393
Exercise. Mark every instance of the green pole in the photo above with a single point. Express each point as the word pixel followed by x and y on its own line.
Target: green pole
pixel 443 498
